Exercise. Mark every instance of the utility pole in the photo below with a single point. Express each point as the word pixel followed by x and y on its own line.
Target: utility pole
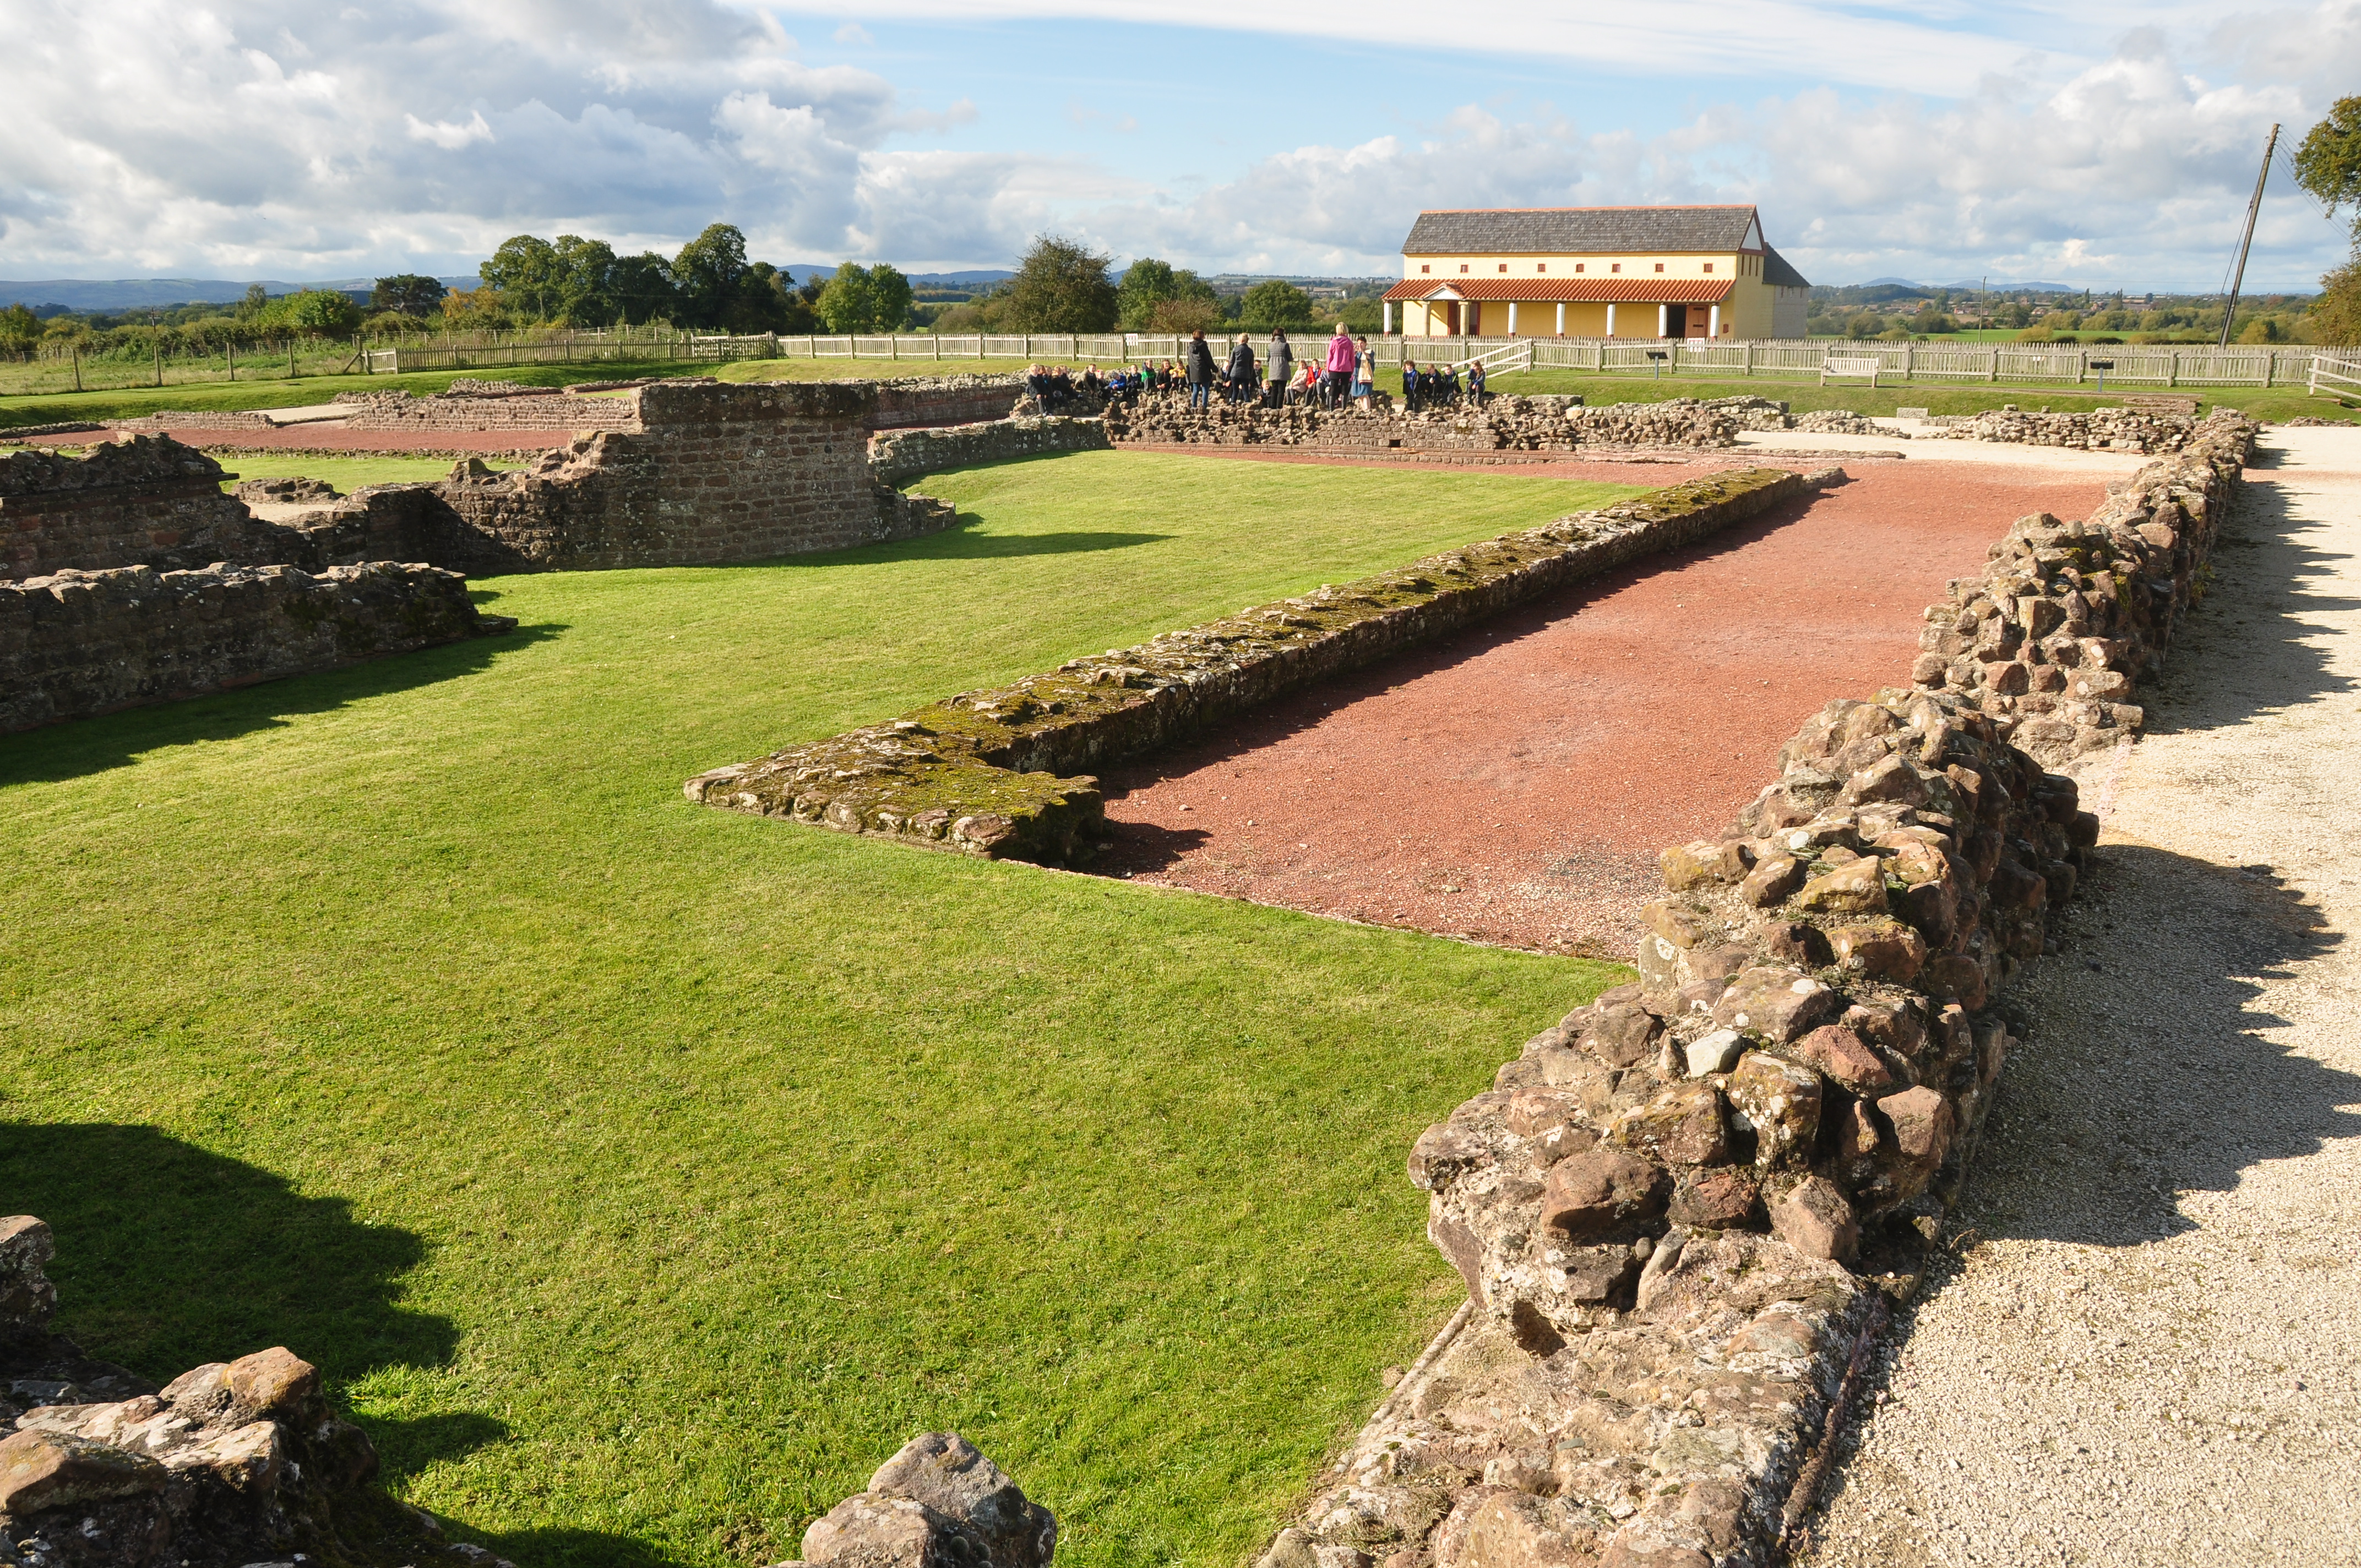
pixel 2255 206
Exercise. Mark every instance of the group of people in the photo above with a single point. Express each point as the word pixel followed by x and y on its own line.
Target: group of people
pixel 1347 373
pixel 1438 387
pixel 1054 387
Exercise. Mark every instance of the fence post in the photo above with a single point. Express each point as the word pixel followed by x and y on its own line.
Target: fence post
pixel 229 358
pixel 938 345
pixel 160 360
pixel 2270 363
pixel 77 369
pixel 2081 364
pixel 1909 360
pixel 1746 359
pixel 1024 346
pixel 1995 365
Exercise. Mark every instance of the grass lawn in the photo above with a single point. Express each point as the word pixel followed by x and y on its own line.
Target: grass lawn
pixel 347 474
pixel 643 1174
pixel 270 392
pixel 2267 403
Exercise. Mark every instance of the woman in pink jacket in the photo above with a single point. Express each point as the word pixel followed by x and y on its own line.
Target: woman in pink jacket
pixel 1341 361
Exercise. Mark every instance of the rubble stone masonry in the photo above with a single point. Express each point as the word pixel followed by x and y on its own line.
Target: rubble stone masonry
pixel 78 643
pixel 1680 1212
pixel 149 501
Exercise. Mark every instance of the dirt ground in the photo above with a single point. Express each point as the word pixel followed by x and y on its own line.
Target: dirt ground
pixel 1513 785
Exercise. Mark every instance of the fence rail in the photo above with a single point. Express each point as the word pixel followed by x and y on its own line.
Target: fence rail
pixel 2338 379
pixel 2321 372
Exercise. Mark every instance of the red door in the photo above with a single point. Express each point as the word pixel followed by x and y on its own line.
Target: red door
pixel 1451 318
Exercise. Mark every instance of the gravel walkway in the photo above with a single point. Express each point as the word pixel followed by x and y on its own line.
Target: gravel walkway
pixel 2148 1350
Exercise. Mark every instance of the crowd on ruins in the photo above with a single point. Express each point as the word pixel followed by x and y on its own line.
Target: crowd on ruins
pixel 1343 375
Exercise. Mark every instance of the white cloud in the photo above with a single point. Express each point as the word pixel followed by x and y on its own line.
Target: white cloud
pixel 446 134
pixel 854 33
pixel 280 137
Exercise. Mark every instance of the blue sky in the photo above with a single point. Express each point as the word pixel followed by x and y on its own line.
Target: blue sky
pixel 2102 143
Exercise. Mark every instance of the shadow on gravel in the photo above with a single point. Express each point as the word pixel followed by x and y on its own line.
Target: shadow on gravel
pixel 2242 651
pixel 2148 1074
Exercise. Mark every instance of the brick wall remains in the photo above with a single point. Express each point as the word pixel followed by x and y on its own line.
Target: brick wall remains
pixel 490 406
pixel 912 401
pixel 896 457
pixel 149 501
pixel 77 643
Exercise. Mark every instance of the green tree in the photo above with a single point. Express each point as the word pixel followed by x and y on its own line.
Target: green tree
pixel 408 293
pixel 257 300
pixel 1060 286
pixel 2328 164
pixel 20 329
pixel 525 273
pixel 585 281
pixel 642 288
pixel 2335 317
pixel 893 294
pixel 850 301
pixel 314 312
pixel 708 272
pixel 1274 302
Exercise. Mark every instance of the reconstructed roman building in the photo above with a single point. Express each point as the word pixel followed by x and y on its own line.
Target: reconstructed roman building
pixel 1685 273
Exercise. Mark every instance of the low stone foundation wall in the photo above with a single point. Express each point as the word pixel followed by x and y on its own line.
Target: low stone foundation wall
pixel 913 401
pixel 78 643
pixel 149 501
pixel 2101 429
pixel 1680 1212
pixel 1500 425
pixel 1001 772
pixel 896 457
pixel 490 406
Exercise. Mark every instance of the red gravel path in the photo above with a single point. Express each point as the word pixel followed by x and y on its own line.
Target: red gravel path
pixel 1514 784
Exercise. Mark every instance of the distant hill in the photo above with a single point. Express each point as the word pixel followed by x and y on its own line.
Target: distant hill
pixel 141 293
pixel 1974 284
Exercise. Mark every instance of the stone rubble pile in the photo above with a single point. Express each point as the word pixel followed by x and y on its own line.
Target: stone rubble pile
pixel 1504 423
pixel 1007 772
pixel 2101 429
pixel 939 1503
pixel 1677 1210
pixel 229 1463
pixel 1751 412
pixel 2050 643
pixel 1841 422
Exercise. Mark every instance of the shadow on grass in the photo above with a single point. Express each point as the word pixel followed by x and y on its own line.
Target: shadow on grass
pixel 170 1256
pixel 79 747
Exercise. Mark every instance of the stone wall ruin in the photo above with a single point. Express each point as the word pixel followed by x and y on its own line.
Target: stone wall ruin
pixel 1680 1212
pixel 1003 773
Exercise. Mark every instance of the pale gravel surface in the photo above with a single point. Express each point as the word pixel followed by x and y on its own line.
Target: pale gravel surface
pixel 2148 1350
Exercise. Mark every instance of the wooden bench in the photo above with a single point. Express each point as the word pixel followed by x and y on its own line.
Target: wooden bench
pixel 1835 367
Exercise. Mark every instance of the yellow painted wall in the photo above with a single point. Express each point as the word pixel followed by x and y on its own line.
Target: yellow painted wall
pixel 1745 313
pixel 1676 264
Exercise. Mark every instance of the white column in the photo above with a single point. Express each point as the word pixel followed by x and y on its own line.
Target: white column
pixel 1389 318
pixel 1664 319
pixel 1513 318
pixel 1713 322
pixel 1561 318
pixel 1610 321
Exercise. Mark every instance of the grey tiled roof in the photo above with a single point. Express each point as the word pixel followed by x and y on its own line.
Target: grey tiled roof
pixel 1558 230
pixel 1779 272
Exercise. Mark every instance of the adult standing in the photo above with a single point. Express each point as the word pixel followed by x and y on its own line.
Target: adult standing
pixel 1241 375
pixel 1279 368
pixel 1340 366
pixel 1199 369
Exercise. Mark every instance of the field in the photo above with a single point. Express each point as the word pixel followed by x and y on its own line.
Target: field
pixel 643 1174
pixel 2267 403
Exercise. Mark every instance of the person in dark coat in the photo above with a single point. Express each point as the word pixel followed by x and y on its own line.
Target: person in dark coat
pixel 1241 375
pixel 1409 384
pixel 1199 369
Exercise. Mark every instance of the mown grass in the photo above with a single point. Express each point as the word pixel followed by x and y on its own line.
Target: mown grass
pixel 347 474
pixel 2266 403
pixel 643 1174
pixel 279 391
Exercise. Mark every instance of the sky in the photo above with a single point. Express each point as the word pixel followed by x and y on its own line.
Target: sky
pixel 2102 143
